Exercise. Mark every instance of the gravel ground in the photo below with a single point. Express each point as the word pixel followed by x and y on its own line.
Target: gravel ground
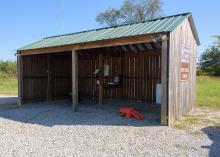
pixel 54 130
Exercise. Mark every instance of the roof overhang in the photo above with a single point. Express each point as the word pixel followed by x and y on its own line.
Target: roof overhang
pixel 96 44
pixel 193 27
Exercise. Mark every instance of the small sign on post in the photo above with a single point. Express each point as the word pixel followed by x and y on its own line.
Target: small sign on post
pixel 184 62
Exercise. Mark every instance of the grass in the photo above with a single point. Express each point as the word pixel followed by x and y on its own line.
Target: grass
pixel 188 121
pixel 208 91
pixel 8 86
pixel 192 119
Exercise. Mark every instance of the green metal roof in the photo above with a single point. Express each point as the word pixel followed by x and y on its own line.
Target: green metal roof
pixel 165 24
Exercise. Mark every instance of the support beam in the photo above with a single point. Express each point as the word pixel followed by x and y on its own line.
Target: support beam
pixel 20 79
pixel 141 48
pixel 148 45
pixel 164 83
pixel 153 45
pixel 74 80
pixel 94 44
pixel 49 83
pixel 124 48
pixel 101 79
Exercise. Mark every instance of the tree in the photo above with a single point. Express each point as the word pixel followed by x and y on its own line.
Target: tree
pixel 218 40
pixel 131 11
pixel 210 61
pixel 111 17
pixel 8 69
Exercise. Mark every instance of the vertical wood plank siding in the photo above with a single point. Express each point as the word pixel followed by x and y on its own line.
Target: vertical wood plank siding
pixel 140 72
pixel 181 93
pixel 35 77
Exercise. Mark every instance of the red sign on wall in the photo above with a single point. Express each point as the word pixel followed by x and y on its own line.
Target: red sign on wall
pixel 184 63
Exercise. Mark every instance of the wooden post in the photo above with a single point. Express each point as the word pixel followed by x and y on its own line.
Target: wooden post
pixel 49 73
pixel 20 79
pixel 122 76
pixel 164 82
pixel 74 80
pixel 101 80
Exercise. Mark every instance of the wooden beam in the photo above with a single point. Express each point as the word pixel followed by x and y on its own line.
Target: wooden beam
pixel 140 47
pixel 117 49
pixel 74 80
pixel 133 49
pixel 148 45
pixel 20 79
pixel 136 48
pixel 153 45
pixel 49 72
pixel 124 48
pixel 164 83
pixel 157 44
pixel 101 79
pixel 128 48
pixel 144 45
pixel 90 45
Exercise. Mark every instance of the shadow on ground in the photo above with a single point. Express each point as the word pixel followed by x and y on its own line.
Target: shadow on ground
pixel 90 113
pixel 213 132
pixel 8 101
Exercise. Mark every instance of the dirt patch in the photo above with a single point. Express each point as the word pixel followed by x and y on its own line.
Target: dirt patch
pixel 199 119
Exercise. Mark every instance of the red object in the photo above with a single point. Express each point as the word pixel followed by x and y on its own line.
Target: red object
pixel 131 112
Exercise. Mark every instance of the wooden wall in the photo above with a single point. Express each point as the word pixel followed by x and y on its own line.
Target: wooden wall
pixel 181 98
pixel 140 72
pixel 36 84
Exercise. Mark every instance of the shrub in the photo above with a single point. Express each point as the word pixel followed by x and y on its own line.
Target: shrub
pixel 8 69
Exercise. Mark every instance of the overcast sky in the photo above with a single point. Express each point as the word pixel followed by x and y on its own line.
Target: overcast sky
pixel 25 21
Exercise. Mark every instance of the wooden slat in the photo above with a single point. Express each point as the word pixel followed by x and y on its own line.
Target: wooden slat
pixel 49 86
pixel 164 91
pixel 101 75
pixel 181 93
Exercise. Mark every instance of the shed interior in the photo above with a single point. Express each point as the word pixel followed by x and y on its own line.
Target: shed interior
pixel 125 72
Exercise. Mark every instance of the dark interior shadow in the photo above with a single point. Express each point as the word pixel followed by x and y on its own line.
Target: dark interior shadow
pixel 213 132
pixel 90 113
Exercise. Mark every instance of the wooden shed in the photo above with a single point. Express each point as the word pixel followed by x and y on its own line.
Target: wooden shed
pixel 125 62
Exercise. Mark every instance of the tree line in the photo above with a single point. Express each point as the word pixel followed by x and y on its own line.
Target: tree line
pixel 8 69
pixel 209 62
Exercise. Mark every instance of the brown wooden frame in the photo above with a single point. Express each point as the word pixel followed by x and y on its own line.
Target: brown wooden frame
pixel 90 45
pixel 164 82
pixel 20 79
pixel 74 80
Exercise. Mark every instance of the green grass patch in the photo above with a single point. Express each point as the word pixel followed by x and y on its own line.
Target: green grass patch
pixel 208 91
pixel 8 86
pixel 180 126
pixel 191 119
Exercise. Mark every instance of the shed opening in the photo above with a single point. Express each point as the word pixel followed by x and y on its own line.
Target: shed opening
pixel 127 73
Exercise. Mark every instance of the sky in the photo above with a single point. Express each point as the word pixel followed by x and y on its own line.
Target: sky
pixel 26 21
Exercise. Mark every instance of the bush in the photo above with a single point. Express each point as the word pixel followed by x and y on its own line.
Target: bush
pixel 199 72
pixel 210 61
pixel 8 69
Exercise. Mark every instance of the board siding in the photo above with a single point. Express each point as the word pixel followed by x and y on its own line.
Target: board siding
pixel 181 93
pixel 35 77
pixel 140 72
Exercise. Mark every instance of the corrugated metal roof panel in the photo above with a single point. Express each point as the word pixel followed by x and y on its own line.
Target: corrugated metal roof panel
pixel 159 25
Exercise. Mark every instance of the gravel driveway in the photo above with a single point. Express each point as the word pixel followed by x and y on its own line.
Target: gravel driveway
pixel 54 130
